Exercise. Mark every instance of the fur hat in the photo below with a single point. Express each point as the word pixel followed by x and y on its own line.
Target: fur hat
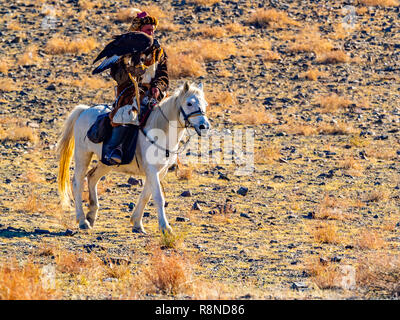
pixel 142 18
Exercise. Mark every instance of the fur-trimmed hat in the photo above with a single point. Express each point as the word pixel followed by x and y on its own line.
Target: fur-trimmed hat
pixel 142 18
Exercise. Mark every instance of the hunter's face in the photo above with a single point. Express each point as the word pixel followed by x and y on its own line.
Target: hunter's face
pixel 148 29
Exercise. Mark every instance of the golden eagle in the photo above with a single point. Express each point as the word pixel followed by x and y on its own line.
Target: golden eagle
pixel 133 43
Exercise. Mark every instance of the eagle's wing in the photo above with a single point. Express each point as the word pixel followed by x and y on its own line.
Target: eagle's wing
pixel 128 43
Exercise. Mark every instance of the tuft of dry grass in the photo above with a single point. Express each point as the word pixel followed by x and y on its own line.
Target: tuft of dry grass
pixel 332 57
pixel 186 58
pixel 23 283
pixel 4 65
pixel 352 166
pixel 309 40
pixel 62 45
pixel 377 195
pixel 7 85
pixel 313 74
pixel 382 3
pixel 325 233
pixel 379 271
pixel 220 101
pixel 271 18
pixel 168 272
pixel 332 208
pixel 23 133
pixel 29 57
pixel 75 263
pixel 370 240
pixel 204 2
pixel 253 117
pixel 325 275
pixel 332 103
pixel 267 154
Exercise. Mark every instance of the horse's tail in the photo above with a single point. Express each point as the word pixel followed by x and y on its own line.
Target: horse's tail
pixel 65 148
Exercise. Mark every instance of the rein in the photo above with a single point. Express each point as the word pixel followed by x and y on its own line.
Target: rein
pixel 187 125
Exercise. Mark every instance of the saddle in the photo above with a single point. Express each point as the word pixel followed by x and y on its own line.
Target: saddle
pixel 101 131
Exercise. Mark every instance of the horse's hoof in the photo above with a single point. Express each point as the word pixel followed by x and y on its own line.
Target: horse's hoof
pixel 138 230
pixel 91 222
pixel 85 225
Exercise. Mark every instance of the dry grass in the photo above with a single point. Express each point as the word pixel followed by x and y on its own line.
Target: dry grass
pixel 29 57
pixel 167 272
pixel 325 275
pixel 249 116
pixel 377 195
pixel 7 85
pixel 204 2
pixel 271 18
pixel 186 58
pixel 379 271
pixel 5 64
pixel 126 14
pixel 267 154
pixel 220 101
pixel 370 240
pixel 332 57
pixel 23 133
pixel 23 283
pixel 76 263
pixel 332 103
pixel 298 128
pixel 382 3
pixel 313 74
pixel 185 172
pixel 61 45
pixel 325 233
pixel 309 40
pixel 332 208
pixel 352 166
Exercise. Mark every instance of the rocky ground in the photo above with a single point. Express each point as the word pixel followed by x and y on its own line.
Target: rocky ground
pixel 324 194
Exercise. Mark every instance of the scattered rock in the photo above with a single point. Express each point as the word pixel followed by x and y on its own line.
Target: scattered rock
pixel 245 215
pixel 242 191
pixel 41 231
pixel 223 176
pixel 299 286
pixel 196 206
pixel 186 193
pixel 146 214
pixel 51 87
pixel 182 219
pixel 69 232
pixel 135 182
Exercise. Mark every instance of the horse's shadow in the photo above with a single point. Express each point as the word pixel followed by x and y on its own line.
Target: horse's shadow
pixel 11 232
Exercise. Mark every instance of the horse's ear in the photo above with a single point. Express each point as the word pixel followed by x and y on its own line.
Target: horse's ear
pixel 186 87
pixel 200 86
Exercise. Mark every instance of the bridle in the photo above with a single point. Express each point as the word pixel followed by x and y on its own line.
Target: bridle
pixel 187 125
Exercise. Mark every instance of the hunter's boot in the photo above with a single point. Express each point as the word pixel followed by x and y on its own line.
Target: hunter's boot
pixel 114 145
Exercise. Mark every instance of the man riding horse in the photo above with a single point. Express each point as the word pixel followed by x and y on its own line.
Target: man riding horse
pixel 139 66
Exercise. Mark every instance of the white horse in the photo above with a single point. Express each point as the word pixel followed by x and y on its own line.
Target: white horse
pixel 186 107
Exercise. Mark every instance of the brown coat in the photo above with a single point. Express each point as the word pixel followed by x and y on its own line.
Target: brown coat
pixel 155 75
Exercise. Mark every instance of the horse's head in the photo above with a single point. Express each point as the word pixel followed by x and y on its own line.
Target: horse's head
pixel 192 107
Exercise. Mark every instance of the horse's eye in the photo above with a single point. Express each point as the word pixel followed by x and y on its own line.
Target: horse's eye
pixel 189 104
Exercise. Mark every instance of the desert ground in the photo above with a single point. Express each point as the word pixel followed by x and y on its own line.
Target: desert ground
pixel 317 218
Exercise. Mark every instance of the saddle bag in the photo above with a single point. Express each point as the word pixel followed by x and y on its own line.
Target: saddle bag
pixel 101 129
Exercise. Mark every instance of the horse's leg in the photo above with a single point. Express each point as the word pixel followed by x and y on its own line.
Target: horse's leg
pixel 153 177
pixel 82 161
pixel 137 215
pixel 93 177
